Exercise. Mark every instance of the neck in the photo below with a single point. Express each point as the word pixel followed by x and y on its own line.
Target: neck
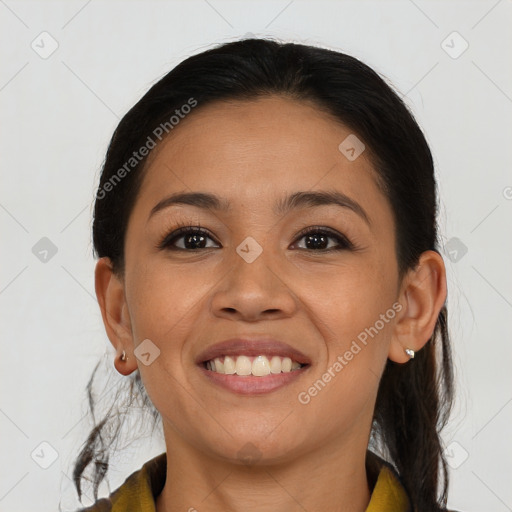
pixel 334 479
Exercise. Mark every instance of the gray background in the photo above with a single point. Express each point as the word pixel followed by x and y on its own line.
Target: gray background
pixel 58 111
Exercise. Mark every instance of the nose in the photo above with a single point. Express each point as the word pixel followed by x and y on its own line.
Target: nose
pixel 253 291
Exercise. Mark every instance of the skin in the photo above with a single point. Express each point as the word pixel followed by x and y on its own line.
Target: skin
pixel 309 456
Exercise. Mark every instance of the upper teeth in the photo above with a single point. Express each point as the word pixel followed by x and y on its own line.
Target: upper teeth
pixel 258 366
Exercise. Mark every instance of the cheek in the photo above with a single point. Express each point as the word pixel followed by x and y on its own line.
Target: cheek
pixel 163 300
pixel 354 311
pixel 348 315
pixel 353 295
pixel 164 305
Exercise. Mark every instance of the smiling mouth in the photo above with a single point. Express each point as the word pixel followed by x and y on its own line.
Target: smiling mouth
pixel 257 366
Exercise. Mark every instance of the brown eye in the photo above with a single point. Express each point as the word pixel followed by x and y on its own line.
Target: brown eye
pixel 317 239
pixel 190 238
pixel 193 238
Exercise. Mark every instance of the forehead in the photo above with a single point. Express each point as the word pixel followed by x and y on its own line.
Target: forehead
pixel 247 151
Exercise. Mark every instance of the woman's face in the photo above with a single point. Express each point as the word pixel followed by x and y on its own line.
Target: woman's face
pixel 254 276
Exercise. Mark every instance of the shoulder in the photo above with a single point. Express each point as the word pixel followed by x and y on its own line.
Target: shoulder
pixel 139 490
pixel 387 486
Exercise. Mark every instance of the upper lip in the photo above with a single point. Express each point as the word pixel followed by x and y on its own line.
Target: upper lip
pixel 252 347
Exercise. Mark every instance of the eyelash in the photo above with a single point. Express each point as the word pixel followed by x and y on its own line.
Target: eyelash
pixel 184 229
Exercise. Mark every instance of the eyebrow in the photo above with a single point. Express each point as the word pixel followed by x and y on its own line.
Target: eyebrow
pixel 294 201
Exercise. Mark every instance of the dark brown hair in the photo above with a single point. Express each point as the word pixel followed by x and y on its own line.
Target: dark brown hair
pixel 414 400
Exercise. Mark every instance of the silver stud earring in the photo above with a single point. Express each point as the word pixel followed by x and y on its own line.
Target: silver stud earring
pixel 410 352
pixel 123 356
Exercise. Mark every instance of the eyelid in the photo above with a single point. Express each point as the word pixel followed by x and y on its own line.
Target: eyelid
pixel 332 233
pixel 178 231
pixel 182 228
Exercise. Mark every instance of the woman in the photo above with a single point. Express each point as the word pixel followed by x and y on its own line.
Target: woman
pixel 269 274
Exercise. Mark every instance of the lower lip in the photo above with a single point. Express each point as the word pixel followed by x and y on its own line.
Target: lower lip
pixel 252 385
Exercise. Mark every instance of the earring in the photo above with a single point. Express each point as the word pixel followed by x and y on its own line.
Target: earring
pixel 410 352
pixel 123 356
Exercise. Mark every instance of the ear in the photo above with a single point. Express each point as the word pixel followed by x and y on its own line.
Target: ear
pixel 114 311
pixel 422 295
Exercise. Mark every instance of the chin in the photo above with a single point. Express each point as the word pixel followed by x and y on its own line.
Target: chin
pixel 257 450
